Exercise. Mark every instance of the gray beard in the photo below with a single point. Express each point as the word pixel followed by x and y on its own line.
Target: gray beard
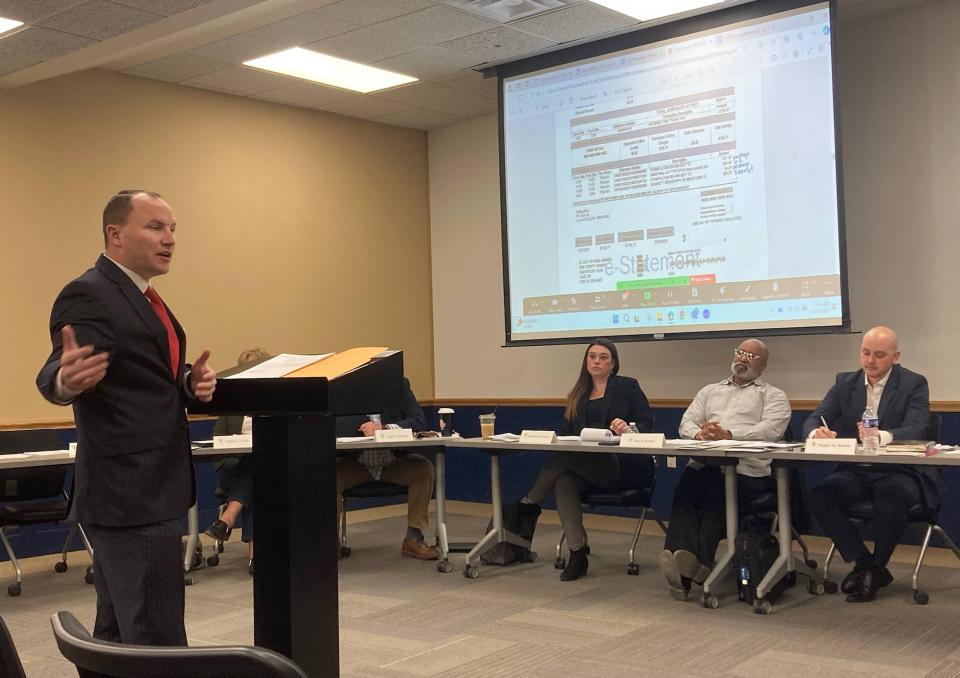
pixel 748 374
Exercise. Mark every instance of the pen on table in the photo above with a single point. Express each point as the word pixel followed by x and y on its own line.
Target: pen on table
pixel 824 421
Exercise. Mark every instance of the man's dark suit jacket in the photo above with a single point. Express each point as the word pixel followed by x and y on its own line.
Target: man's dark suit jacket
pixel 623 399
pixel 408 415
pixel 904 412
pixel 133 463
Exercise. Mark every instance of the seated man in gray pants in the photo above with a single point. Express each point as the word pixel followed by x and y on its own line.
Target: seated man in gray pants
pixel 741 407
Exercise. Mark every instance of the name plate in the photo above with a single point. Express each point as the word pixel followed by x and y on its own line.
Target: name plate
pixel 223 442
pixel 538 437
pixel 831 445
pixel 642 440
pixel 392 435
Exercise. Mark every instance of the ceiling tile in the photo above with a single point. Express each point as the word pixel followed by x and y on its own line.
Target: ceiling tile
pixel 177 67
pixel 305 94
pixel 473 82
pixel 35 10
pixel 470 106
pixel 364 106
pixel 435 25
pixel 575 23
pixel 366 12
pixel 426 94
pixel 237 48
pixel 418 118
pixel 239 80
pixel 428 63
pixel 164 7
pixel 39 44
pixel 365 45
pixel 303 28
pixel 496 45
pixel 100 19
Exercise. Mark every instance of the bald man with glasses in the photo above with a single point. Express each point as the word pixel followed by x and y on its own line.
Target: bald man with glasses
pixel 741 407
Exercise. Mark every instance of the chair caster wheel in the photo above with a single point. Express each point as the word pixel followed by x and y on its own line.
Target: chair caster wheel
pixel 445 566
pixel 559 563
pixel 920 598
pixel 14 590
pixel 197 559
pixel 471 571
pixel 188 580
pixel 830 586
pixel 88 575
pixel 531 556
pixel 213 560
pixel 762 606
pixel 345 552
pixel 60 567
pixel 811 563
pixel 709 602
pixel 816 588
pixel 633 569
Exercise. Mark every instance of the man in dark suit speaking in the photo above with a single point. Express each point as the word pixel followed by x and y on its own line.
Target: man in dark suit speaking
pixel 901 400
pixel 118 358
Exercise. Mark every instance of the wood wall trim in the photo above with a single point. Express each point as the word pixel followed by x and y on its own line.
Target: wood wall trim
pixel 941 406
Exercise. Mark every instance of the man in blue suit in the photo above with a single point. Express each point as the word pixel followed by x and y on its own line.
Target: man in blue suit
pixel 901 399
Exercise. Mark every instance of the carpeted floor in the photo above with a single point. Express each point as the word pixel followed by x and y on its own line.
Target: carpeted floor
pixel 400 617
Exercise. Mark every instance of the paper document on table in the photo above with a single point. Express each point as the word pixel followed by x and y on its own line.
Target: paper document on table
pixel 505 437
pixel 568 439
pixel 763 445
pixel 51 454
pixel 354 439
pixel 278 366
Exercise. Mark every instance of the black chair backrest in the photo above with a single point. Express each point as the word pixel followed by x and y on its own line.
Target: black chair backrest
pixel 115 659
pixel 10 666
pixel 38 482
pixel 934 427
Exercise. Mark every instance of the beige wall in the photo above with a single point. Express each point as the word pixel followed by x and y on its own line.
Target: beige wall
pixel 298 231
pixel 899 78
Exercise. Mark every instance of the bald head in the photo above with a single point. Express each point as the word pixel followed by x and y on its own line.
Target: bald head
pixel 879 351
pixel 749 360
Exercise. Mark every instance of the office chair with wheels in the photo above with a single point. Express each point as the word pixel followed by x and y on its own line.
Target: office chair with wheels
pixel 33 496
pixel 10 665
pixel 116 659
pixel 635 491
pixel 375 489
pixel 918 516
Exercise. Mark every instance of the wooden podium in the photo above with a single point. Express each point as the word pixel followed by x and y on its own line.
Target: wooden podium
pixel 294 495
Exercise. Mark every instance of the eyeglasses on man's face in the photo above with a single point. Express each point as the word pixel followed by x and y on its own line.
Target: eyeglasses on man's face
pixel 745 355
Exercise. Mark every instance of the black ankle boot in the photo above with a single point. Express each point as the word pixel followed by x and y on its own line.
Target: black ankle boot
pixel 576 566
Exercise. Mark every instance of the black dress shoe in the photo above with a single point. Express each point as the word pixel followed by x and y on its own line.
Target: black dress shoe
pixel 851 583
pixel 868 588
pixel 218 530
pixel 576 566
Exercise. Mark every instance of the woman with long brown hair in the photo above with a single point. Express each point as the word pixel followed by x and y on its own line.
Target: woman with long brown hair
pixel 600 398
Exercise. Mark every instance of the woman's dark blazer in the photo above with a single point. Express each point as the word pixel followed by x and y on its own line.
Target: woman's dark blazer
pixel 623 399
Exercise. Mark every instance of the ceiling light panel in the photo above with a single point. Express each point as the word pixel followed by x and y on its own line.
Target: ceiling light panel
pixel 647 10
pixel 7 25
pixel 314 66
pixel 508 10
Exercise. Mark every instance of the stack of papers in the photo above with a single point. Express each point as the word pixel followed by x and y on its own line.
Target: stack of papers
pixel 355 439
pixel 505 437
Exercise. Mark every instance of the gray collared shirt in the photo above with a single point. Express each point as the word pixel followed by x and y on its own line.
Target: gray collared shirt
pixel 754 411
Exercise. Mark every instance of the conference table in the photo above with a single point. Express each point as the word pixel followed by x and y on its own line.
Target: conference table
pixel 787 562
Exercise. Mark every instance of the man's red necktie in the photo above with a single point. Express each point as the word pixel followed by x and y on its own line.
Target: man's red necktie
pixel 172 341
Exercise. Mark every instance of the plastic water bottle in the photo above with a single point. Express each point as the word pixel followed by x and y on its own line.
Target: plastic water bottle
pixel 633 427
pixel 375 418
pixel 871 431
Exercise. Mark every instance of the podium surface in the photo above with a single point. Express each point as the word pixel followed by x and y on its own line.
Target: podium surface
pixel 295 603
